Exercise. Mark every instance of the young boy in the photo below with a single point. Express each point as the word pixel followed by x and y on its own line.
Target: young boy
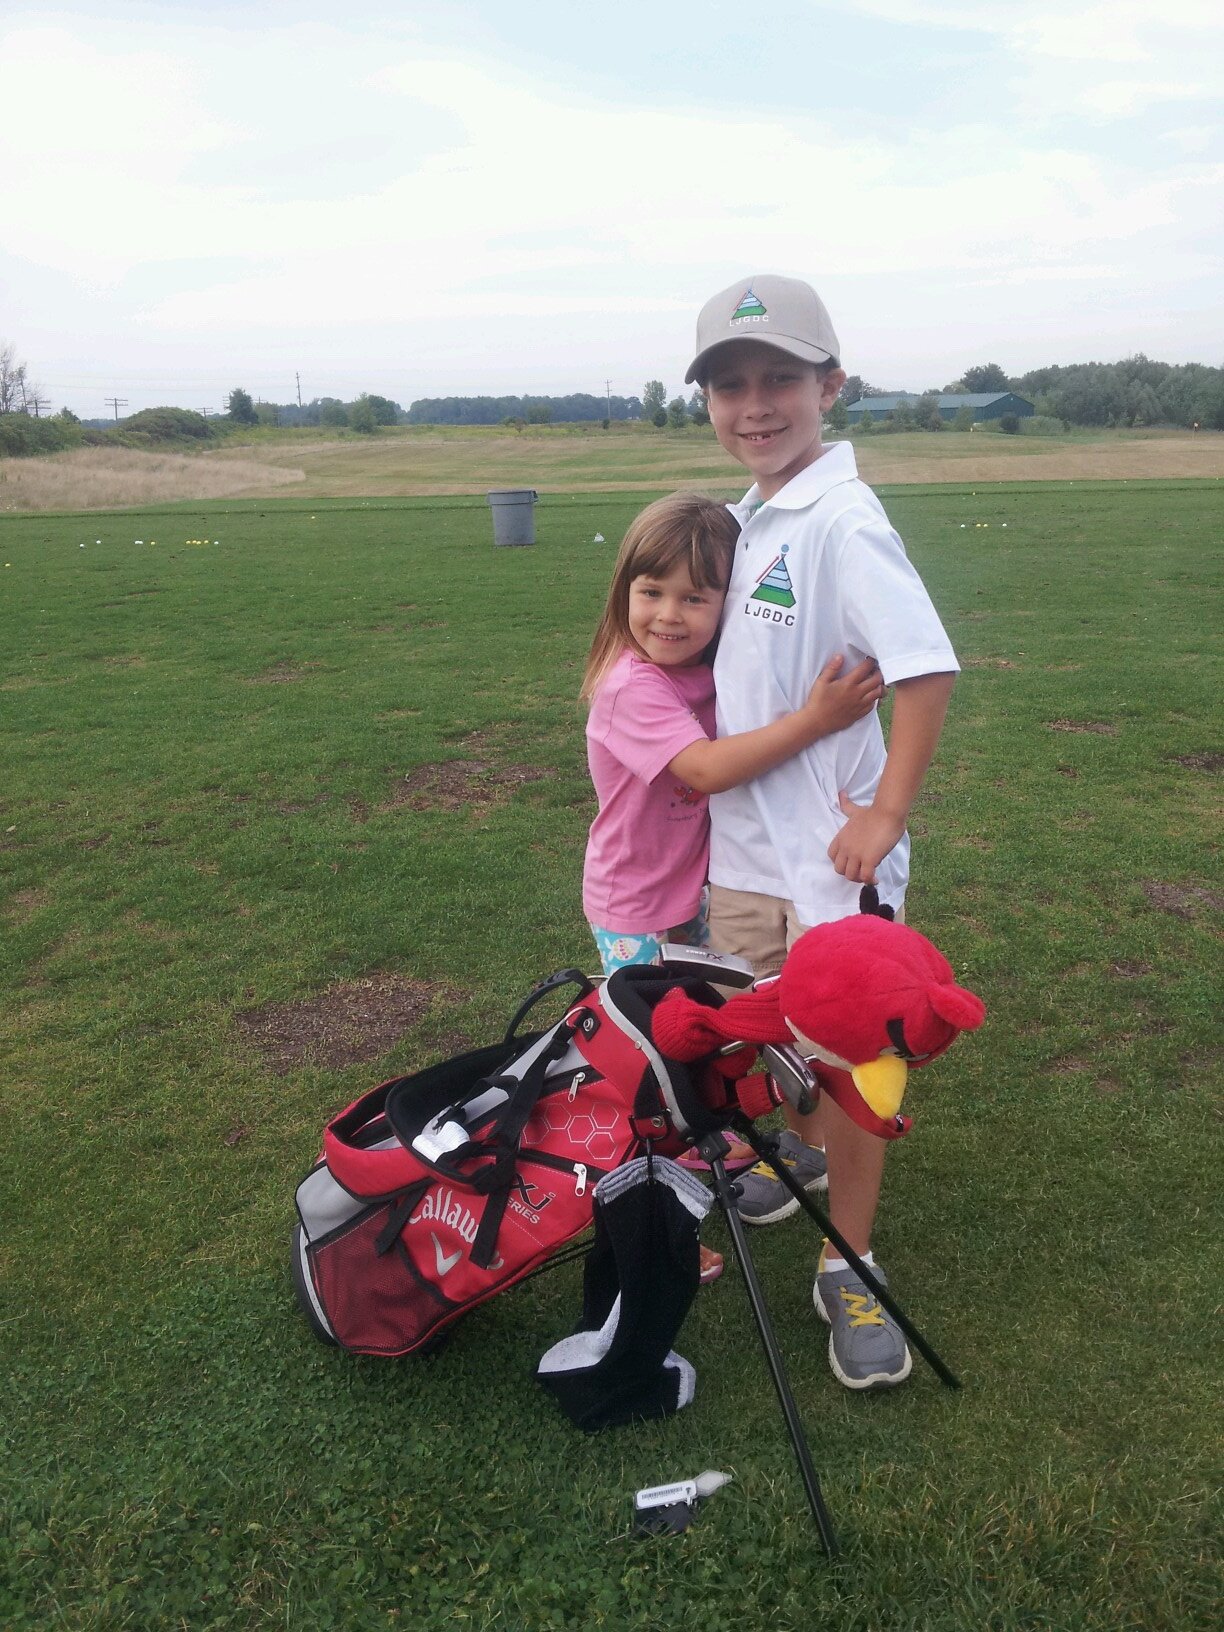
pixel 818 571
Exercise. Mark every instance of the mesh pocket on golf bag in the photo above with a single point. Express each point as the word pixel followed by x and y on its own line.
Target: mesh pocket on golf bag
pixel 377 1301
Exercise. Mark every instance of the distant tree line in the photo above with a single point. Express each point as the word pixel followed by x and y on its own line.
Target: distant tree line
pixel 364 413
pixel 1136 391
pixel 578 408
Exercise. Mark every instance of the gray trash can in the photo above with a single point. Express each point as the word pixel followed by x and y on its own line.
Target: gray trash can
pixel 513 515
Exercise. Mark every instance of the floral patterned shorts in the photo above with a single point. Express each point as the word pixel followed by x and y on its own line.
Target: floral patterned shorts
pixel 616 948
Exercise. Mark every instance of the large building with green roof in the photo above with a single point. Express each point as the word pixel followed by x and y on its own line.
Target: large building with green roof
pixel 981 404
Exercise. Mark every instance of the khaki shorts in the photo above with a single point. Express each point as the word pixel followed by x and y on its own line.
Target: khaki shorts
pixel 761 928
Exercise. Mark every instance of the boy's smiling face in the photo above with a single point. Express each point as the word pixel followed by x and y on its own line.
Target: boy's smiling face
pixel 765 407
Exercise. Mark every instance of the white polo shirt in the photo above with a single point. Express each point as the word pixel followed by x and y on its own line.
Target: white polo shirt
pixel 818 570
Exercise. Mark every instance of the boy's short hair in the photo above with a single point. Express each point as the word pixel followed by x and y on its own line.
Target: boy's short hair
pixel 785 313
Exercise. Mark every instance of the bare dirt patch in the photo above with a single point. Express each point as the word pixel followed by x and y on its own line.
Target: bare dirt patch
pixel 1200 762
pixel 297 807
pixel 1130 968
pixel 1201 1065
pixel 281 674
pixel 350 1022
pixel 461 784
pixel 24 904
pixel 152 932
pixel 1094 728
pixel 1182 900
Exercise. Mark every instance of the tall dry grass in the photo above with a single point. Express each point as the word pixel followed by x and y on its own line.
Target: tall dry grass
pixel 421 462
pixel 115 478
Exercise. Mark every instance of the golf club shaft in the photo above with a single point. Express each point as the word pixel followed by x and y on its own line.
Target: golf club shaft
pixel 773 1356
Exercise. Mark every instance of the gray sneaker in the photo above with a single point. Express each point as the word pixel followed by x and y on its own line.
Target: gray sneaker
pixel 867 1348
pixel 764 1198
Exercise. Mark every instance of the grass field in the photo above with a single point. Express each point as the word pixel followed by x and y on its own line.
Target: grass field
pixel 294 798
pixel 434 460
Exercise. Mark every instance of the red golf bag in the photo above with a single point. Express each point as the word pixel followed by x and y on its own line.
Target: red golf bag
pixel 436 1191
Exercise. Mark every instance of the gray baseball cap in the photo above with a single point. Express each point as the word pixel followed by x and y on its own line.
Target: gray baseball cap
pixel 782 312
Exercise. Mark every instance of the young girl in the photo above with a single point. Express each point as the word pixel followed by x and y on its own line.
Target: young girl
pixel 650 734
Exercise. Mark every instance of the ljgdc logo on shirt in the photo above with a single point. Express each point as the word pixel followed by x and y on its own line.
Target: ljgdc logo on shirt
pixel 774 595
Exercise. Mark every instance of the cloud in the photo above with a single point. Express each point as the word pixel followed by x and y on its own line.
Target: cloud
pixel 452 237
pixel 1043 40
pixel 213 189
pixel 1119 98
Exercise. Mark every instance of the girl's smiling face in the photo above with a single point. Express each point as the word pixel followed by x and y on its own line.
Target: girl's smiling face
pixel 672 620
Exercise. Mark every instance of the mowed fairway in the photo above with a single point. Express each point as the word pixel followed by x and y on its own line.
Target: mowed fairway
pixel 289 812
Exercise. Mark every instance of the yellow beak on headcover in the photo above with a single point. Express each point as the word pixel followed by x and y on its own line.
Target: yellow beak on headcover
pixel 882 1084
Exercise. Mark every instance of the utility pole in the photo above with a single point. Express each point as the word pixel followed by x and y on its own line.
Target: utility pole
pixel 608 389
pixel 116 403
pixel 298 378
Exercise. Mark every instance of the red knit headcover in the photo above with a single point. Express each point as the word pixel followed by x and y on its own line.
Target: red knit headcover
pixel 857 988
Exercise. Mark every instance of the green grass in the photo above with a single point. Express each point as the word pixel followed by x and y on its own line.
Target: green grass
pixel 201 748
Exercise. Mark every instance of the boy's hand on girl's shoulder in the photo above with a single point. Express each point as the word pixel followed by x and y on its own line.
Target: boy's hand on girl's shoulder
pixel 867 837
pixel 838 700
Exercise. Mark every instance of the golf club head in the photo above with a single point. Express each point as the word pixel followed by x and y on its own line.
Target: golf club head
pixel 790 1072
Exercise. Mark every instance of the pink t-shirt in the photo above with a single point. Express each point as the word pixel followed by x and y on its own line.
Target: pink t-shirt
pixel 649 847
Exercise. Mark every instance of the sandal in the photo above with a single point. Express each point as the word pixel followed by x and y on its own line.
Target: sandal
pixel 738 1158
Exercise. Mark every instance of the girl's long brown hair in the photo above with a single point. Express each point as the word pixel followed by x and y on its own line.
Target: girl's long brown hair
pixel 688 530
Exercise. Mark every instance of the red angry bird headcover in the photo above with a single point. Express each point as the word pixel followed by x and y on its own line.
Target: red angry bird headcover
pixel 863 995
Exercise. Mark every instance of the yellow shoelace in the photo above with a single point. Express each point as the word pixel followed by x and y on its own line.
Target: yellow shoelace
pixel 767 1172
pixel 861 1308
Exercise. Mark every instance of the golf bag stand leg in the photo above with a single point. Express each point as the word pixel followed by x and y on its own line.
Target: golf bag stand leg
pixel 714 1148
pixel 766 1147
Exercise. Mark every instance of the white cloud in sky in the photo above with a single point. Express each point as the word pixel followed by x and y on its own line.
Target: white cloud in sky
pixel 1119 98
pixel 418 202
pixel 1110 31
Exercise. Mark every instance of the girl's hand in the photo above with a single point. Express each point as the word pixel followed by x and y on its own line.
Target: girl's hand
pixel 837 699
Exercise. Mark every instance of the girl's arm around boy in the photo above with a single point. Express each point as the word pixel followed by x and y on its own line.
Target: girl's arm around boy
pixel 835 701
pixel 870 831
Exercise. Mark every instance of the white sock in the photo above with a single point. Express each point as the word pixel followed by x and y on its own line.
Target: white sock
pixel 832 1264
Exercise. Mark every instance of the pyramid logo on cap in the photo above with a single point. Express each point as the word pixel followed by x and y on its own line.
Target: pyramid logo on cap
pixel 749 306
pixel 775 583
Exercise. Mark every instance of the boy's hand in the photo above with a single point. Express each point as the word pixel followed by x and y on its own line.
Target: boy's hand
pixel 867 837
pixel 837 699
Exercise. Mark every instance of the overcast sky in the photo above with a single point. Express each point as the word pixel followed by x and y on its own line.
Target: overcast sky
pixel 498 196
